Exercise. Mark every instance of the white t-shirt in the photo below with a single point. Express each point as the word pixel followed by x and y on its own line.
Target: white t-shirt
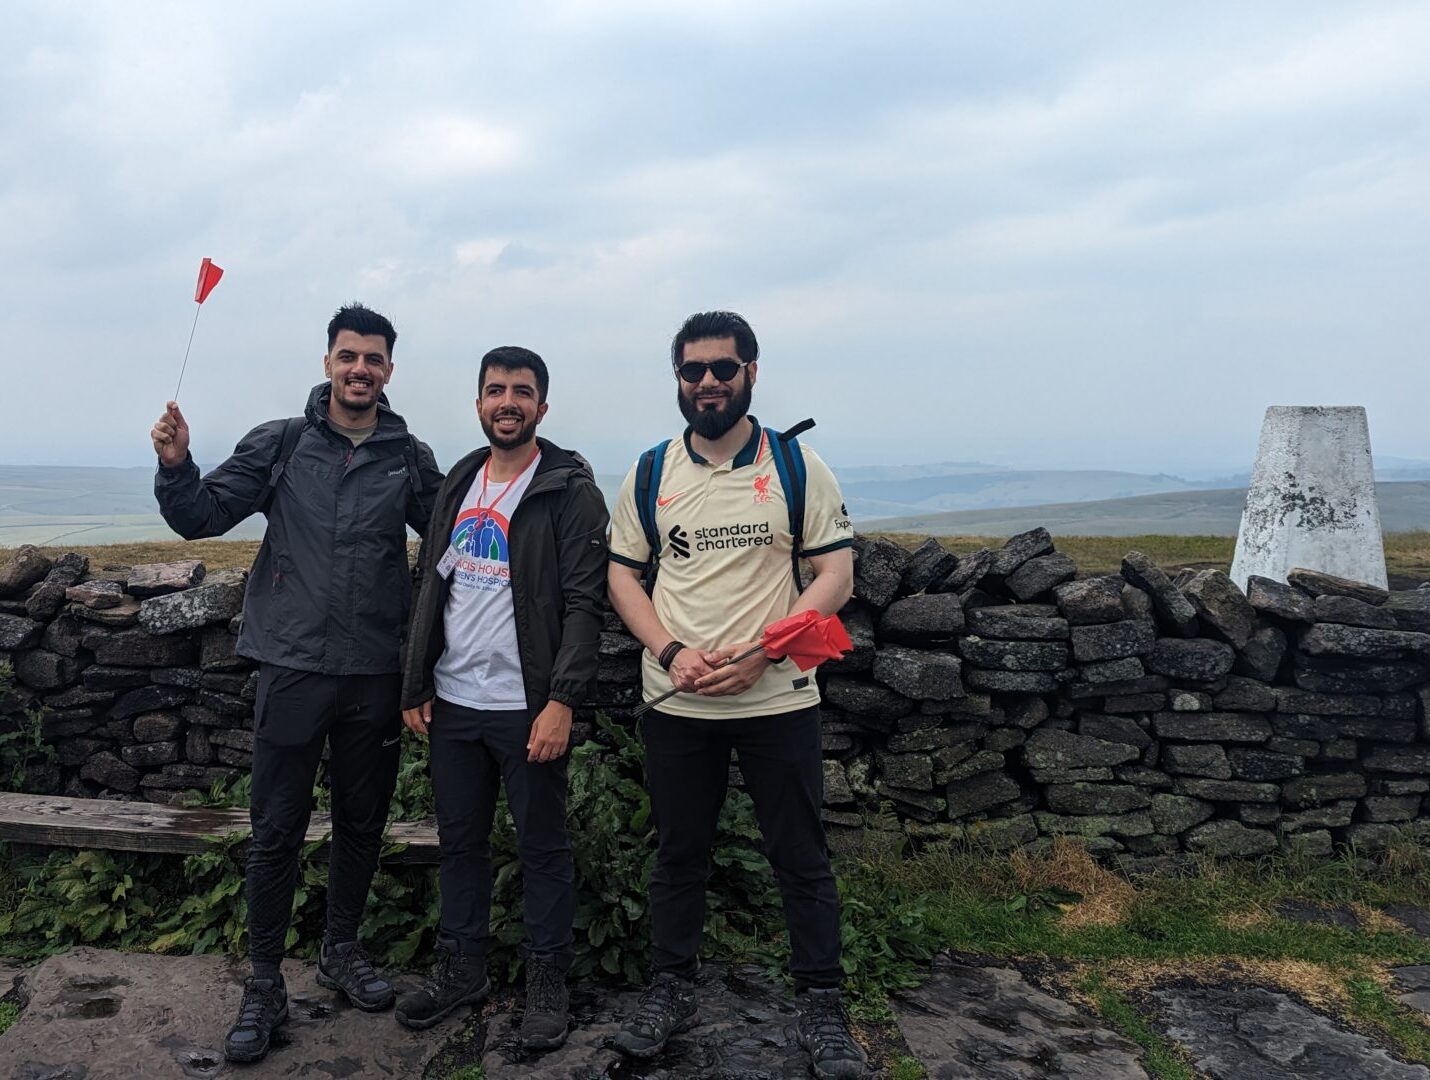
pixel 480 666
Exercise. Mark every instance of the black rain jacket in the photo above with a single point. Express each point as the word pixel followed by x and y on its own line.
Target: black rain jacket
pixel 558 580
pixel 330 590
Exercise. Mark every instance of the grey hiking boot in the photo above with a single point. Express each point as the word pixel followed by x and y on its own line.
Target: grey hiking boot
pixel 824 1032
pixel 543 1026
pixel 458 978
pixel 347 969
pixel 666 1008
pixel 265 1006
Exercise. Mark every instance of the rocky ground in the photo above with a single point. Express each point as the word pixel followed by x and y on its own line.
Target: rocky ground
pixel 93 1014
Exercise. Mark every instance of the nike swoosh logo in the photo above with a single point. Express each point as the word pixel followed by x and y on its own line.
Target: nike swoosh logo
pixel 668 499
pixel 390 742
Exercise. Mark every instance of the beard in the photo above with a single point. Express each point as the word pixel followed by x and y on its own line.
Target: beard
pixel 713 423
pixel 521 437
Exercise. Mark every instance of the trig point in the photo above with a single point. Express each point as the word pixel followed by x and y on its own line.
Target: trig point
pixel 1312 498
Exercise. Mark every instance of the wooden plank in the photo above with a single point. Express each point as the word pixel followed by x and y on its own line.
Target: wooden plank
pixel 58 821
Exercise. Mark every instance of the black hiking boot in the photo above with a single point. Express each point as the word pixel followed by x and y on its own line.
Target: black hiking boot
pixel 265 1006
pixel 824 1032
pixel 458 978
pixel 666 1008
pixel 543 1026
pixel 346 968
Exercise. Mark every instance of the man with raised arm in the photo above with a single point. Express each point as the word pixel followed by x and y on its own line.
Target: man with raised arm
pixel 326 605
pixel 502 648
pixel 725 513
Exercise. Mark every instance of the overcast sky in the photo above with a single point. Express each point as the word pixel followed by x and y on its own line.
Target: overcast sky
pixel 1059 234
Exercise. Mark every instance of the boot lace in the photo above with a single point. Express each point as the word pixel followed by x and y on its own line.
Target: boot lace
pixel 257 1000
pixel 446 972
pixel 361 966
pixel 828 1029
pixel 544 993
pixel 661 1001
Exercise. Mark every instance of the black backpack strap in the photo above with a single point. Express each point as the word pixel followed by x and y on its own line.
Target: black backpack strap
pixel 292 431
pixel 409 451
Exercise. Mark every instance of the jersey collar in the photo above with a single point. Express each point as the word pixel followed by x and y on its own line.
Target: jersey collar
pixel 748 455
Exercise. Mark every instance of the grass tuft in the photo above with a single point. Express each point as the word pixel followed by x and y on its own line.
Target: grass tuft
pixel 1161 1057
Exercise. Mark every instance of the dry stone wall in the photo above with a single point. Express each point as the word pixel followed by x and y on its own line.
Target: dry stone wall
pixel 995 696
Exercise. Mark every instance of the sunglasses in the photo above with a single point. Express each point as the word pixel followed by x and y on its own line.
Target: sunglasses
pixel 693 371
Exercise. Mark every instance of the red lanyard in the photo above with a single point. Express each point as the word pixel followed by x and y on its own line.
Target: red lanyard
pixel 484 512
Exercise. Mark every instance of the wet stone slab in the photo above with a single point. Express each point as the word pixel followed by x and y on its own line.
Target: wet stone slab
pixel 1233 1034
pixel 991 1022
pixel 746 1032
pixel 93 1014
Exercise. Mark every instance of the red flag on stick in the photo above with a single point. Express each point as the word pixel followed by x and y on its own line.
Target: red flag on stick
pixel 208 278
pixel 807 638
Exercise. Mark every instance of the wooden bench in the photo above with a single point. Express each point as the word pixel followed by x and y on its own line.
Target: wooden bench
pixel 58 821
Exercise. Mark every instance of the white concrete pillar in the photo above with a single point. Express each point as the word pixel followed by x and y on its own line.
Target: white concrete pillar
pixel 1312 498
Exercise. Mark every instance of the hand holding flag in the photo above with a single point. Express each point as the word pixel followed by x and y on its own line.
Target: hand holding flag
pixel 807 638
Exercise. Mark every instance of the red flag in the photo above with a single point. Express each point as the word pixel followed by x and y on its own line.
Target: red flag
pixel 208 278
pixel 808 639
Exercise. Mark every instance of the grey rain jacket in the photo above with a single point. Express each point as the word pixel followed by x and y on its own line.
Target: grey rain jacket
pixel 330 590
pixel 558 580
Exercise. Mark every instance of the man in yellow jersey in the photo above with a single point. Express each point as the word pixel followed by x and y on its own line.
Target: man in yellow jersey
pixel 725 512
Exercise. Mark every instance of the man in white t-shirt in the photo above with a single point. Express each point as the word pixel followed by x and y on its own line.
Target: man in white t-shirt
pixel 720 521
pixel 501 648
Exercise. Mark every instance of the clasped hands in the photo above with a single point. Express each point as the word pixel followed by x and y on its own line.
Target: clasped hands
pixel 710 673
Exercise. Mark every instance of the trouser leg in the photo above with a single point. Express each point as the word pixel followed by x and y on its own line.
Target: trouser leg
pixel 687 773
pixel 365 747
pixel 536 793
pixel 464 784
pixel 291 715
pixel 783 767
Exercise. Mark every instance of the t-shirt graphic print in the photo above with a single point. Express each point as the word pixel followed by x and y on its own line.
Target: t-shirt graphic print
pixel 480 666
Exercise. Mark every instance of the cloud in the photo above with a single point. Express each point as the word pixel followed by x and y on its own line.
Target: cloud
pixel 1094 235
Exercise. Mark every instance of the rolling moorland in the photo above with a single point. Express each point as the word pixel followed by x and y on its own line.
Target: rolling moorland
pixel 99 505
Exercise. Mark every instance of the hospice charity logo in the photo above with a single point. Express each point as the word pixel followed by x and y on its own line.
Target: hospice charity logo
pixel 485 562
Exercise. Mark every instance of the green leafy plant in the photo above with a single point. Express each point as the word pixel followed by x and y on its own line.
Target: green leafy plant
pixel 91 896
pixel 213 913
pixel 22 740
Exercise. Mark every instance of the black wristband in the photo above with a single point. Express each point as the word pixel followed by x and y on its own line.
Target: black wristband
pixel 669 653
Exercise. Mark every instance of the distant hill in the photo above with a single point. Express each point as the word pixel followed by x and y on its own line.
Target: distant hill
pixel 99 505
pixel 992 487
pixel 45 504
pixel 1404 507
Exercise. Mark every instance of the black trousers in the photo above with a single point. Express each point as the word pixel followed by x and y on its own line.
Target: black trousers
pixel 360 719
pixel 687 773
pixel 474 752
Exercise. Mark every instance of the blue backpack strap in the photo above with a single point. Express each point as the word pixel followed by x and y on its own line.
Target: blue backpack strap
pixel 292 430
pixel 789 463
pixel 648 473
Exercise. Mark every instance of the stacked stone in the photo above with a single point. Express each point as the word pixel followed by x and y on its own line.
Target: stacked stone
pixel 142 696
pixel 995 695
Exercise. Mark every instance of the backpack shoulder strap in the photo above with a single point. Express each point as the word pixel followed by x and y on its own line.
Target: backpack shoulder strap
pixel 292 430
pixel 789 463
pixel 648 473
pixel 409 451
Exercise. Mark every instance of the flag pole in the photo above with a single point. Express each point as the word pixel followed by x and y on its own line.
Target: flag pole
pixel 646 706
pixel 197 308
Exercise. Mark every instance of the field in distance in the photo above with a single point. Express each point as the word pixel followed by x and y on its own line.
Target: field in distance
pixel 1407 554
